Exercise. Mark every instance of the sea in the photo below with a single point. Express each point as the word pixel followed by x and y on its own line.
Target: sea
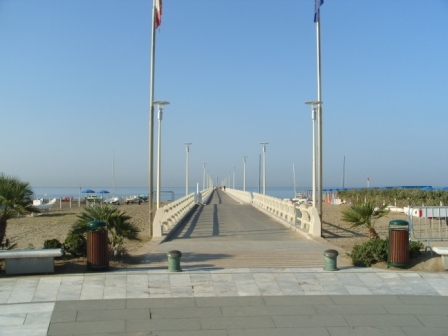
pixel 166 193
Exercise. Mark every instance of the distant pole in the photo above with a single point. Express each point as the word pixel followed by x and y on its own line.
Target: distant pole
pixel 368 181
pixel 113 174
pixel 244 173
pixel 187 148
pixel 233 177
pixel 264 166
pixel 159 148
pixel 203 175
pixel 259 173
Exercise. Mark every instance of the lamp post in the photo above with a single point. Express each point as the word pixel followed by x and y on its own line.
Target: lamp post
pixel 203 175
pixel 315 107
pixel 264 166
pixel 160 104
pixel 187 148
pixel 244 173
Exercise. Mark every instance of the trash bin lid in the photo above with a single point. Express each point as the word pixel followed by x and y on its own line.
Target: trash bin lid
pixel 398 222
pixel 96 225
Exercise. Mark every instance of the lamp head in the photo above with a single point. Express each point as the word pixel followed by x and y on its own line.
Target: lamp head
pixel 160 102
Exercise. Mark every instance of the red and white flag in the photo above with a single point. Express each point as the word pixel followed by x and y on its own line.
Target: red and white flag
pixel 158 7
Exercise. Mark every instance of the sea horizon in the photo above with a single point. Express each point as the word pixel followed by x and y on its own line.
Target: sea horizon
pixel 166 193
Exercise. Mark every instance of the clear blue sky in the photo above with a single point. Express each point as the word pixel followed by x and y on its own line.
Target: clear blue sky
pixel 74 87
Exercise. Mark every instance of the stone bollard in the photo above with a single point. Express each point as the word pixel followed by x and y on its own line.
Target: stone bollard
pixel 174 261
pixel 331 257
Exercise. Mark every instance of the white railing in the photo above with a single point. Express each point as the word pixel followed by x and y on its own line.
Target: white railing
pixel 168 216
pixel 242 196
pixel 307 218
pixel 205 195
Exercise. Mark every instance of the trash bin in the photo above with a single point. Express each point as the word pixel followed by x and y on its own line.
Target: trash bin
pixel 398 255
pixel 97 246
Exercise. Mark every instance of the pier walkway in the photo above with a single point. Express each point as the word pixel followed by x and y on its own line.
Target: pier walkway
pixel 227 234
pixel 244 274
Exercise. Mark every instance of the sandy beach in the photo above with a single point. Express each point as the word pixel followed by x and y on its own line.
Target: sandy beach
pixel 30 231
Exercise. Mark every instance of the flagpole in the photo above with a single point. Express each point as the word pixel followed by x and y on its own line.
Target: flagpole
pixel 319 118
pixel 151 121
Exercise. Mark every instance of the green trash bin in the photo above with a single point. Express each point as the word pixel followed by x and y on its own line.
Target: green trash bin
pixel 398 251
pixel 97 246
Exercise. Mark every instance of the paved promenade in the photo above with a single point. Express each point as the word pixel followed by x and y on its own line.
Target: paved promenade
pixel 212 297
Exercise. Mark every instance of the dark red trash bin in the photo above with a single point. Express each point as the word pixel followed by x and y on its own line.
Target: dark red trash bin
pixel 398 255
pixel 97 246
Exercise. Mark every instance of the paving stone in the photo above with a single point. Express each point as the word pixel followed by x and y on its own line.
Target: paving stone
pixel 113 314
pixel 157 325
pixel 310 331
pixel 300 321
pixel 69 328
pixel 366 331
pixel 237 322
pixel 384 320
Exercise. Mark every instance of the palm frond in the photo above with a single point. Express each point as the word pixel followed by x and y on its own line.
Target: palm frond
pixel 365 213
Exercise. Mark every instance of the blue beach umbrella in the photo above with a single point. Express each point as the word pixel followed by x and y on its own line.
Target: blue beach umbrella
pixel 102 192
pixel 88 191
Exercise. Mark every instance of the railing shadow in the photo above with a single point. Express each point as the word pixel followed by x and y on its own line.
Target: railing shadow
pixel 350 233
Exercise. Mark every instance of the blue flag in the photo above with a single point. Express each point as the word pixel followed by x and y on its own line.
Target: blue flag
pixel 317 3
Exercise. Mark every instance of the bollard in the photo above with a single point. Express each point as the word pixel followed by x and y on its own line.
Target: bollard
pixel 174 261
pixel 331 257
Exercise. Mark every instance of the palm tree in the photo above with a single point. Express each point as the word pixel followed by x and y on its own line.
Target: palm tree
pixel 15 199
pixel 365 214
pixel 118 225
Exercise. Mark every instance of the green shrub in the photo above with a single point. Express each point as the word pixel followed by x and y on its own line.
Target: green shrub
pixel 415 248
pixel 52 244
pixel 370 252
pixel 76 244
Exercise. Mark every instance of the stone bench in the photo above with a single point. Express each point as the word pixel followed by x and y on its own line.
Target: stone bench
pixel 30 261
pixel 443 252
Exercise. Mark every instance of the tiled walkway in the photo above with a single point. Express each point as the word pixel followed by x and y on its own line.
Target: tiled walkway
pixel 27 303
pixel 229 287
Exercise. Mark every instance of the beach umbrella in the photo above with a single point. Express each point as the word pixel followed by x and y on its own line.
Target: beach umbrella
pixel 88 191
pixel 102 192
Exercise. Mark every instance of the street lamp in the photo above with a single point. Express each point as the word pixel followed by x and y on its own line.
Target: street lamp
pixel 160 104
pixel 315 107
pixel 187 144
pixel 244 173
pixel 264 166
pixel 203 175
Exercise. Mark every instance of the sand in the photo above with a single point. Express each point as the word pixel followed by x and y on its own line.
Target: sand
pixel 29 231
